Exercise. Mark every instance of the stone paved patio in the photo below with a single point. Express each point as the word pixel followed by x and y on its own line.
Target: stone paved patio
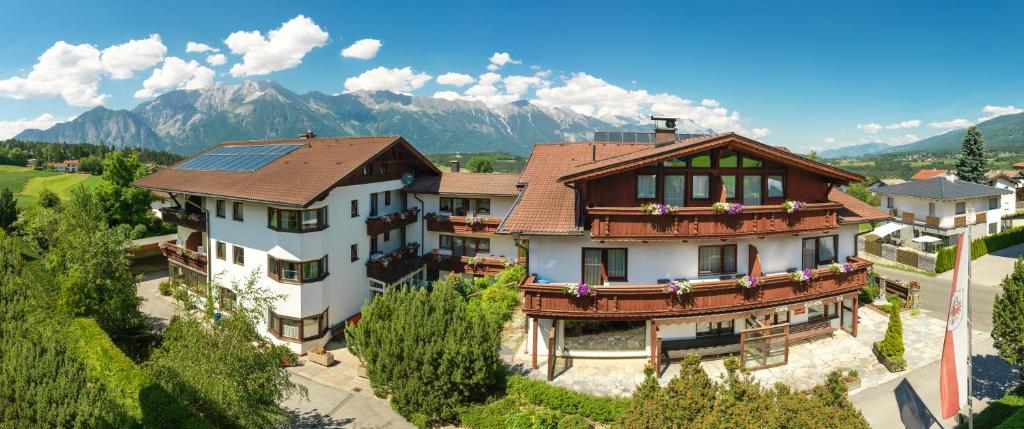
pixel 808 365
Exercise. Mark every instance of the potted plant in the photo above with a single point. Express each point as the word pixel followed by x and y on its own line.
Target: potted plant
pixel 747 282
pixel 321 356
pixel 803 276
pixel 890 350
pixel 851 379
pixel 838 268
pixel 792 206
pixel 732 209
pixel 678 287
pixel 578 290
pixel 655 208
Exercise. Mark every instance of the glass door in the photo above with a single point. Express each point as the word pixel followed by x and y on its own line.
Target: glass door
pixel 592 267
pixel 847 316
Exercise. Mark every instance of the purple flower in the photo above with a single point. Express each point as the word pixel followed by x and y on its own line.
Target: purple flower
pixel 808 273
pixel 583 290
pixel 735 209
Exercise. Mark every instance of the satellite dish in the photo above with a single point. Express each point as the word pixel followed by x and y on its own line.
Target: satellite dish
pixel 407 179
pixel 670 123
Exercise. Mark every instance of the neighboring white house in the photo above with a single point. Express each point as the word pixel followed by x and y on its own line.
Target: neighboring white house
pixel 933 212
pixel 1008 179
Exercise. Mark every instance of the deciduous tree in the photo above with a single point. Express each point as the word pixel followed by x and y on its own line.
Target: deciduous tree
pixel 479 164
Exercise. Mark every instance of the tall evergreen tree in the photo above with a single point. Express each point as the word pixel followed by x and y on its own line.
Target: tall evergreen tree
pixel 8 209
pixel 1008 316
pixel 973 163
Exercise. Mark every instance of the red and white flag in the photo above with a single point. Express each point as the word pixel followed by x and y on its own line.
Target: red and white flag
pixel 954 372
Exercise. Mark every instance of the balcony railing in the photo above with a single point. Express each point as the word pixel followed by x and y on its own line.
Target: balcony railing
pixel 188 258
pixel 704 223
pixel 482 265
pixel 461 224
pixel 635 302
pixel 392 266
pixel 379 224
pixel 173 216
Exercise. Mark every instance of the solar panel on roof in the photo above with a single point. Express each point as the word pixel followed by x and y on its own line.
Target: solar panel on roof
pixel 238 158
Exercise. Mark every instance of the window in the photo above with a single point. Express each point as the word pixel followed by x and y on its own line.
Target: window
pixel 307 328
pixel 387 236
pixel 297 220
pixel 675 190
pixel 993 228
pixel 776 188
pixel 222 208
pixel 373 204
pixel 702 160
pixel 819 251
pixel 895 234
pixel 464 206
pixel 716 260
pixel 993 203
pixel 238 211
pixel 749 162
pixel 646 186
pixel 367 170
pixel 675 162
pixel 354 249
pixel 931 209
pixel 752 190
pixel 780 317
pixel 961 208
pixel 822 311
pixel 714 329
pixel 373 245
pixel 464 246
pixel 222 250
pixel 888 203
pixel 600 265
pixel 701 187
pixel 238 255
pixel 729 160
pixel 483 206
pixel 355 208
pixel 387 198
pixel 729 184
pixel 296 271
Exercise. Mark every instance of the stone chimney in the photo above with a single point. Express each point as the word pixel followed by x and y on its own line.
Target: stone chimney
pixel 307 135
pixel 664 130
pixel 454 165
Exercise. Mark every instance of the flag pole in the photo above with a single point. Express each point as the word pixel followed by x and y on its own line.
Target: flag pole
pixel 970 353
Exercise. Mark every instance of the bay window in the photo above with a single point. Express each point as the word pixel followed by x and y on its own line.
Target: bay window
pixel 293 329
pixel 296 272
pixel 284 220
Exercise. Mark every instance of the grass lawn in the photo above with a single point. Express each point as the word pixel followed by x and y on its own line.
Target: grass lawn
pixel 61 183
pixel 999 411
pixel 15 178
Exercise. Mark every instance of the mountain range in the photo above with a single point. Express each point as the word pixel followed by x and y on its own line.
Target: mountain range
pixel 186 121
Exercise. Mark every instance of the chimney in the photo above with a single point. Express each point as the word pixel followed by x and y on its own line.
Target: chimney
pixel 307 135
pixel 664 130
pixel 455 165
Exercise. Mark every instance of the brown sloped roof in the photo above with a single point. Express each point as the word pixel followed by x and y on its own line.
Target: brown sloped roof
pixel 927 173
pixel 546 206
pixel 295 179
pixel 855 210
pixel 497 184
pixel 652 154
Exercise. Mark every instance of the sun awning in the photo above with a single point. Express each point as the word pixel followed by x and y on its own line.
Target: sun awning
pixel 926 239
pixel 887 229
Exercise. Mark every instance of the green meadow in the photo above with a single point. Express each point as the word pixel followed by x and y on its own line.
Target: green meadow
pixel 27 183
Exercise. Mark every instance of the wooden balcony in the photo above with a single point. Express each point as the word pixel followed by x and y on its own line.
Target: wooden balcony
pixel 462 224
pixel 960 221
pixel 981 217
pixel 908 217
pixel 188 258
pixel 392 266
pixel 703 223
pixel 933 221
pixel 379 224
pixel 196 221
pixel 638 302
pixel 478 265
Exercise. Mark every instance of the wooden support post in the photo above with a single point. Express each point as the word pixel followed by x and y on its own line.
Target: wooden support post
pixel 534 344
pixel 856 306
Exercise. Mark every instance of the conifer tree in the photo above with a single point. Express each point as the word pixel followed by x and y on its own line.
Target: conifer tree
pixel 8 209
pixel 973 163
pixel 1008 316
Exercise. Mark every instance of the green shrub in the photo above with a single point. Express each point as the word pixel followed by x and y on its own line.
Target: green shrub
pixel 892 346
pixel 1005 413
pixel 947 255
pixel 533 418
pixel 166 288
pixel 870 293
pixel 945 259
pixel 1015 421
pixel 574 422
pixel 492 415
pixel 602 409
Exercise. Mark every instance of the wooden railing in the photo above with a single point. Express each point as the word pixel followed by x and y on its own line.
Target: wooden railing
pixel 461 224
pixel 173 216
pixel 908 217
pixel 960 221
pixel 635 302
pixel 395 265
pixel 981 217
pixel 380 224
pixel 933 221
pixel 189 258
pixel 703 223
pixel 483 265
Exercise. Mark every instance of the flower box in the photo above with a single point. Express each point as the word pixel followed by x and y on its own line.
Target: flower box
pixel 891 365
pixel 852 383
pixel 321 356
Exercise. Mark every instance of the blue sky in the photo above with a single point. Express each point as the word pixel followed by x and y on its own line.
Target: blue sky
pixel 800 74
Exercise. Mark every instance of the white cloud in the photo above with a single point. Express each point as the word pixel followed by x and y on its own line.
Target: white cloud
pixel 871 128
pixel 447 95
pixel 70 71
pixel 995 111
pixel 176 74
pixel 829 140
pixel 707 102
pixel 518 85
pixel 949 125
pixel 759 133
pixel 216 59
pixel 455 79
pixel 913 123
pixel 904 139
pixel 9 129
pixel 122 61
pixel 362 49
pixel 499 59
pixel 281 49
pixel 395 80
pixel 197 47
pixel 486 91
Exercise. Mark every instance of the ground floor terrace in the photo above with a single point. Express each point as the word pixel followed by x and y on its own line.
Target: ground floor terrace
pixel 715 318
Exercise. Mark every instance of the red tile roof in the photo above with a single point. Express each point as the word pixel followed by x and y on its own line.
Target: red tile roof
pixel 855 210
pixel 295 179
pixel 497 184
pixel 927 174
pixel 546 206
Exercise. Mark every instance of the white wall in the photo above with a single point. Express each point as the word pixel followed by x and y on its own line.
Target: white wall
pixel 946 210
pixel 502 245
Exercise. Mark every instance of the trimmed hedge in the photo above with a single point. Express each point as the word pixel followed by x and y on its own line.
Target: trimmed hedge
pixel 127 384
pixel 947 255
pixel 1007 412
pixel 598 408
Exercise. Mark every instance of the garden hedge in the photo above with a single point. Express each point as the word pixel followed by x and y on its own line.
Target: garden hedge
pixel 598 408
pixel 141 397
pixel 1006 412
pixel 947 255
